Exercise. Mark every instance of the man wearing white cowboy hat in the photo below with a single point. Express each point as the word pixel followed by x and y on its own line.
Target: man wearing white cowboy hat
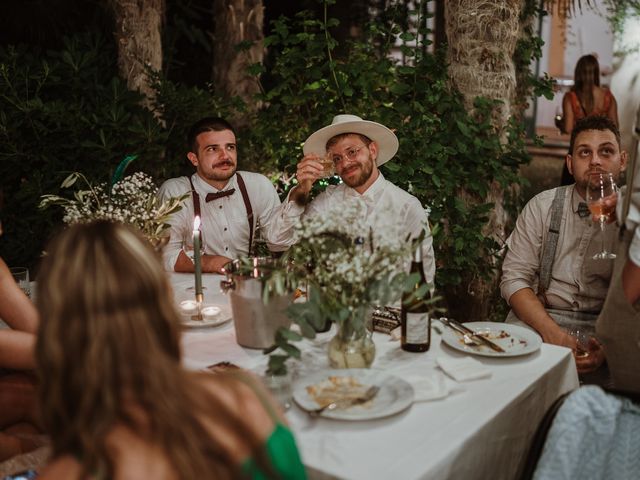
pixel 357 148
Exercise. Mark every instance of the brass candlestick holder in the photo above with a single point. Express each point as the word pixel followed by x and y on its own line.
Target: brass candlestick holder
pixel 198 315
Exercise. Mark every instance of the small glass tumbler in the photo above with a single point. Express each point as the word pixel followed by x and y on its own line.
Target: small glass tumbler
pixel 579 341
pixel 328 168
pixel 281 388
pixel 21 276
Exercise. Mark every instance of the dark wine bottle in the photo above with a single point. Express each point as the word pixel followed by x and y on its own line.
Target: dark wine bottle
pixel 414 315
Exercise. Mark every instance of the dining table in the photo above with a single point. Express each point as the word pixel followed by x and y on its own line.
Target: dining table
pixel 474 429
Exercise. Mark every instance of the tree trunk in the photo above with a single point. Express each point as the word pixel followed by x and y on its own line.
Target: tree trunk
pixel 440 32
pixel 237 21
pixel 482 36
pixel 138 36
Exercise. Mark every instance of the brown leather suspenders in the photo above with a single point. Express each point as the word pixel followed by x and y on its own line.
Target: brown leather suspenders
pixel 247 206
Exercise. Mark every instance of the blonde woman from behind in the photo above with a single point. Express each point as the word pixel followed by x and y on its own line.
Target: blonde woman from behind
pixel 115 398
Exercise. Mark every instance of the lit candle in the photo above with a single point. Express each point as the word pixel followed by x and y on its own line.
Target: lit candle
pixel 188 307
pixel 210 313
pixel 196 258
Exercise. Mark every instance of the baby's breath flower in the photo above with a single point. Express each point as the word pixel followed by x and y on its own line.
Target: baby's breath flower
pixel 132 200
pixel 348 255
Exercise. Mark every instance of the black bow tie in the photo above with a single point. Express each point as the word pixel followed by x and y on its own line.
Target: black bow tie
pixel 217 195
pixel 583 210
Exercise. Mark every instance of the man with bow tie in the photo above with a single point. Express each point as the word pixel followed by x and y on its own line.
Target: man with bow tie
pixel 356 148
pixel 231 204
pixel 549 276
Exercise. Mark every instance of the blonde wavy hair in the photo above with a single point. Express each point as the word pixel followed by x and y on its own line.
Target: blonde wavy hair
pixel 109 339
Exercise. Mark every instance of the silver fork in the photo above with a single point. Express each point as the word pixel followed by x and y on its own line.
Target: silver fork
pixel 365 397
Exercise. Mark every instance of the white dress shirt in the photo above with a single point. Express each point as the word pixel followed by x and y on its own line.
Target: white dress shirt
pixel 388 206
pixel 225 228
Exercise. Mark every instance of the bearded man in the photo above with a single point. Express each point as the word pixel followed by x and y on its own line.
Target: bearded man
pixel 356 148
pixel 550 277
pixel 231 204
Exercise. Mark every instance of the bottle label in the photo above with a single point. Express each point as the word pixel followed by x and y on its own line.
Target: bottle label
pixel 417 328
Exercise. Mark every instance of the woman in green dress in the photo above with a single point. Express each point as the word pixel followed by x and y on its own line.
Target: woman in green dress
pixel 115 398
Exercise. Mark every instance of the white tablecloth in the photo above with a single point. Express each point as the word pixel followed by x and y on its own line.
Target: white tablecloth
pixel 482 430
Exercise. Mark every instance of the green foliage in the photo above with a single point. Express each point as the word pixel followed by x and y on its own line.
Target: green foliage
pixel 68 111
pixel 618 12
pixel 61 111
pixel 64 111
pixel 443 148
pixel 528 50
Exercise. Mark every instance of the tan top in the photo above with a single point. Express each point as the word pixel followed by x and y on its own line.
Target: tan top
pixel 578 282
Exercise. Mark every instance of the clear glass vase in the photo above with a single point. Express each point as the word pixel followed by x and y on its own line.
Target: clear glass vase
pixel 352 346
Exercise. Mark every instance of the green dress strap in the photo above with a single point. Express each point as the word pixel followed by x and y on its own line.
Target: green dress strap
pixel 280 446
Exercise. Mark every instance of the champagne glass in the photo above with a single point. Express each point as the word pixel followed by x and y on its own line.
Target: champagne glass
pixel 602 199
pixel 187 248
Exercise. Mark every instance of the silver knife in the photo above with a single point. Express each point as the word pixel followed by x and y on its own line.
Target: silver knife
pixel 461 328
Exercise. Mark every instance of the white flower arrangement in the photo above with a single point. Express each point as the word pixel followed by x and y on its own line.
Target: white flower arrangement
pixel 346 267
pixel 346 257
pixel 132 200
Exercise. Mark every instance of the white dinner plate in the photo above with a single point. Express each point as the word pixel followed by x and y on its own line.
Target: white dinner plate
pixel 514 339
pixel 223 317
pixel 394 396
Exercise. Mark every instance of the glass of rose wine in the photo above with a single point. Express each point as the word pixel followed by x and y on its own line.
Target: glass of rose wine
pixel 601 199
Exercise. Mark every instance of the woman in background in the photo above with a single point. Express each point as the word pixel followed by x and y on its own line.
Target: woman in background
pixel 115 398
pixel 20 428
pixel 585 99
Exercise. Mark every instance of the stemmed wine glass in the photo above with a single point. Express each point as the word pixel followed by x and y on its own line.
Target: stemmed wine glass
pixel 602 199
pixel 187 247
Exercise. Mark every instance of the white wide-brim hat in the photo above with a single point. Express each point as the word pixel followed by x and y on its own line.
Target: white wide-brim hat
pixel 385 139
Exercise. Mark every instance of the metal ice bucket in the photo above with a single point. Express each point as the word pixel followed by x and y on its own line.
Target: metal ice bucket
pixel 255 322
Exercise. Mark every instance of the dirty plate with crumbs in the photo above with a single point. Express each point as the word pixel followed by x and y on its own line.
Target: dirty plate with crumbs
pixel 337 389
pixel 514 339
pixel 323 387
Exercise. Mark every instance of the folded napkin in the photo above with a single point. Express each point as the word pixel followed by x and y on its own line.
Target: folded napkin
pixel 434 386
pixel 463 369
